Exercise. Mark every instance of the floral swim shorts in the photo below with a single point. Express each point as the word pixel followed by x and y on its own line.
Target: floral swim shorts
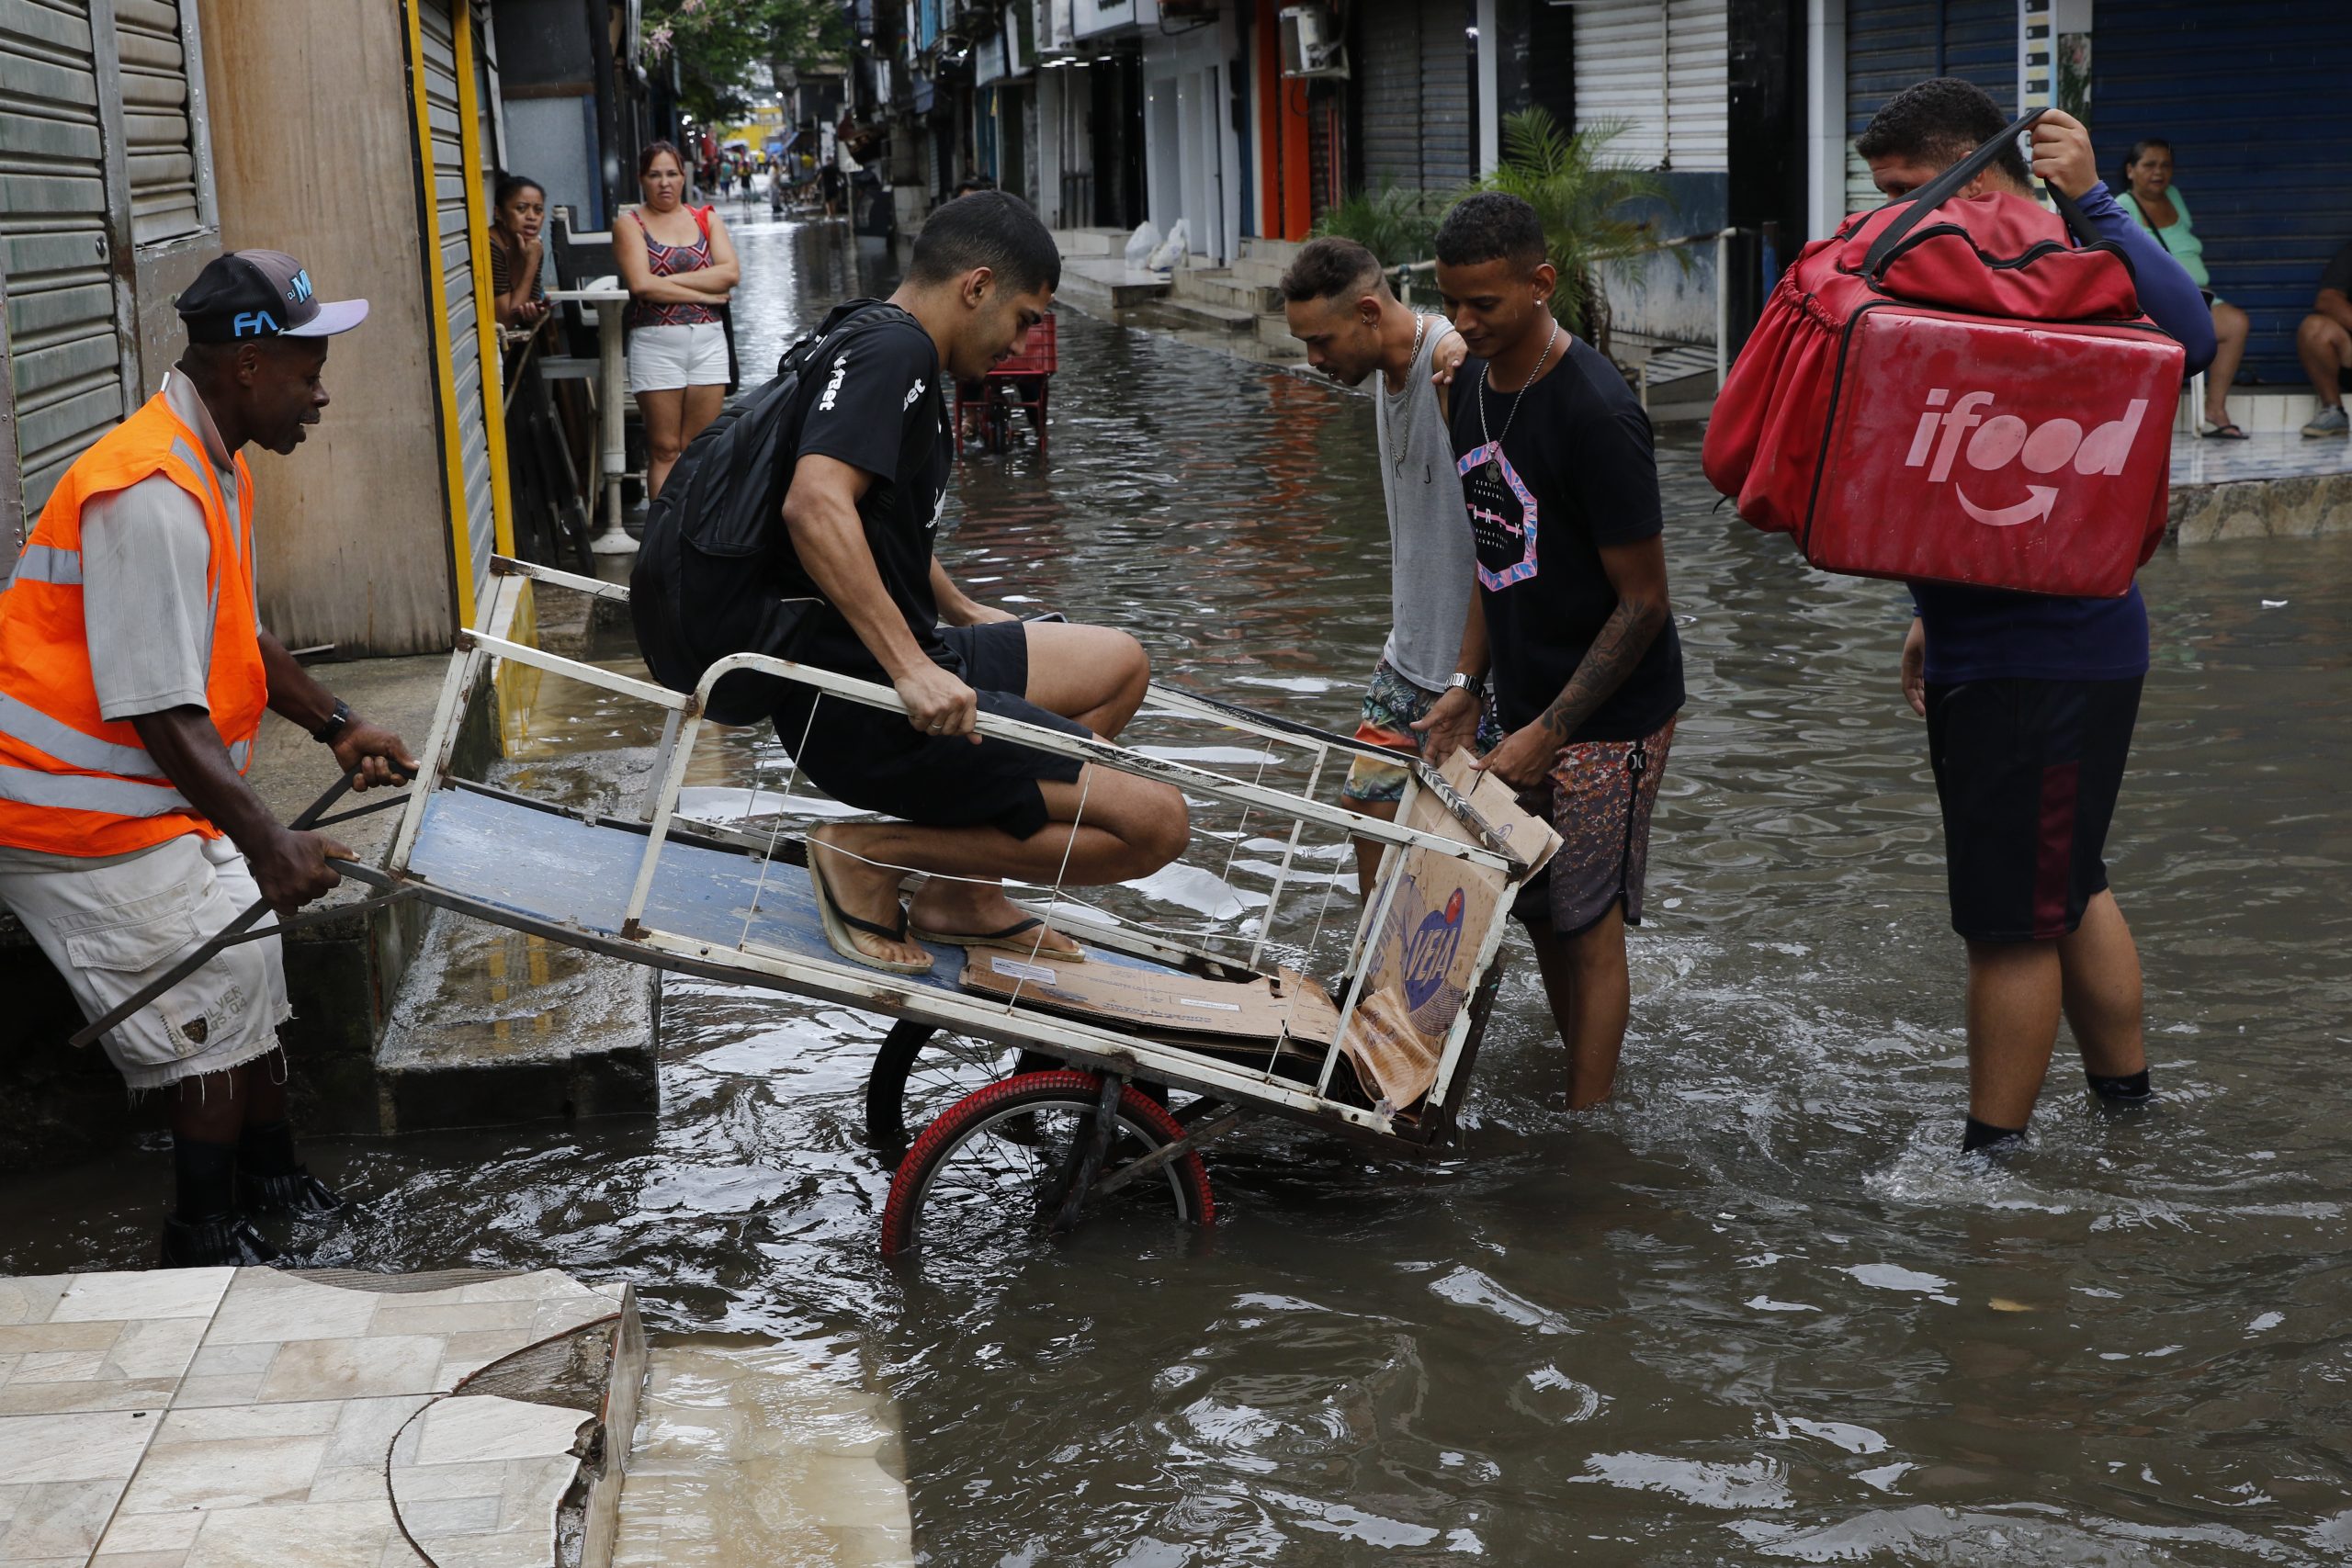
pixel 1601 795
pixel 1391 705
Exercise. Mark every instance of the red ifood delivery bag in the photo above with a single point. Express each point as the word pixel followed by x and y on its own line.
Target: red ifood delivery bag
pixel 1945 389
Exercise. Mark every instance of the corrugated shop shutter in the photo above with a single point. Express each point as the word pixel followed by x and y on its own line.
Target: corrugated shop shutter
pixel 66 360
pixel 1891 43
pixel 1387 62
pixel 1662 72
pixel 449 177
pixel 158 134
pixel 2250 93
pixel 1448 154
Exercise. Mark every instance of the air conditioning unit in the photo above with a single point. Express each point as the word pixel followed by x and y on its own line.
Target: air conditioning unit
pixel 1311 45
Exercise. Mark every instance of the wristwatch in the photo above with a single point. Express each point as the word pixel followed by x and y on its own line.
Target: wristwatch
pixel 1473 684
pixel 337 722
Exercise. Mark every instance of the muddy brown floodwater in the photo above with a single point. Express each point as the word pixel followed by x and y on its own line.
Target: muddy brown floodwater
pixel 1754 1310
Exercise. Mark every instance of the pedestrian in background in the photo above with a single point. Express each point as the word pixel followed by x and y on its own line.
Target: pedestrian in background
pixel 680 268
pixel 518 213
pixel 2164 212
pixel 2324 341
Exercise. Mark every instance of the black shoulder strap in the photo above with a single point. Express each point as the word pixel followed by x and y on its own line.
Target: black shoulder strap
pixel 1948 184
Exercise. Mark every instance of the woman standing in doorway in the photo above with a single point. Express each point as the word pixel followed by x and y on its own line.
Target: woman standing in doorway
pixel 2160 209
pixel 519 211
pixel 680 267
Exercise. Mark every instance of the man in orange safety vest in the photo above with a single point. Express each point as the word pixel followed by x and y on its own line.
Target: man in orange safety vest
pixel 133 673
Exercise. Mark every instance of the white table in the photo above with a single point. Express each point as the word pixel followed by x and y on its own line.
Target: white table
pixel 611 301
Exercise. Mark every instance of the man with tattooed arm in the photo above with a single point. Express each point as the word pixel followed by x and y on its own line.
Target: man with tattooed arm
pixel 1569 616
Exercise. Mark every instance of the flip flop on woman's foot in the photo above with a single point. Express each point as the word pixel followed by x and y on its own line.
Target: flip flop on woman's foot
pixel 843 929
pixel 2226 431
pixel 1031 938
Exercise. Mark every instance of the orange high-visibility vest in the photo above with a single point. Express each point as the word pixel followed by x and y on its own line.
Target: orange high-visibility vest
pixel 72 782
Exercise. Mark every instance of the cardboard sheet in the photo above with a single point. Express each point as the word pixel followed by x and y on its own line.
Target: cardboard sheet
pixel 1156 1001
pixel 1419 965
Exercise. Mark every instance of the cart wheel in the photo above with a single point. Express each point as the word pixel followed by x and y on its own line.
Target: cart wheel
pixel 919 1072
pixel 989 1167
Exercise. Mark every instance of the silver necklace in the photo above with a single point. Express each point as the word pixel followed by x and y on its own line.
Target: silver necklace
pixel 1405 431
pixel 1494 443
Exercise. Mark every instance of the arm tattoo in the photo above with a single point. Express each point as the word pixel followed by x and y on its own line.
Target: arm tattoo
pixel 1630 630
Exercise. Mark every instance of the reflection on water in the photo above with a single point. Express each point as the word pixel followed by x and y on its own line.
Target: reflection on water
pixel 1752 1311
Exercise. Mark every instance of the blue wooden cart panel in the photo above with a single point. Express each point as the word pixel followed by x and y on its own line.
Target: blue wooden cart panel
pixel 557 868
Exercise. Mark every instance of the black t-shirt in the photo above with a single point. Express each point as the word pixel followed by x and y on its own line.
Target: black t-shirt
pixel 873 400
pixel 1577 472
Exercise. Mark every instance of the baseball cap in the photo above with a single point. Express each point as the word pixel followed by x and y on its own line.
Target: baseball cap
pixel 261 294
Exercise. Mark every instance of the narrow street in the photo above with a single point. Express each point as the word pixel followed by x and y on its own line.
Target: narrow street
pixel 1752 1295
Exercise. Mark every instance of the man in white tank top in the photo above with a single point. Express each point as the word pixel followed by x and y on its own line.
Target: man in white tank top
pixel 1340 306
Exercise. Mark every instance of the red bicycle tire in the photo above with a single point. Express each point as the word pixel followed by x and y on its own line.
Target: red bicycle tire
pixel 1138 1111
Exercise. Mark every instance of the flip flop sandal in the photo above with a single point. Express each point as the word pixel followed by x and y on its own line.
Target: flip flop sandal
pixel 839 924
pixel 2226 431
pixel 1014 938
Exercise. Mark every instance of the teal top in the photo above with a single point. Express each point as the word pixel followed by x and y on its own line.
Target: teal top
pixel 2179 239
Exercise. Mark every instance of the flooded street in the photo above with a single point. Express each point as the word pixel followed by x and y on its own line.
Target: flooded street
pixel 1752 1310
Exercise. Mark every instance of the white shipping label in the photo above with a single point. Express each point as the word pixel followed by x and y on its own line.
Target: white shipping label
pixel 1012 968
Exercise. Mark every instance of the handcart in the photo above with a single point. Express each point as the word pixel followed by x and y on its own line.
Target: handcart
pixel 984 409
pixel 1016 1092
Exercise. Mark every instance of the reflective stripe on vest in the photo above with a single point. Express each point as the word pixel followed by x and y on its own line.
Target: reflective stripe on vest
pixel 75 750
pixel 77 792
pixel 47 563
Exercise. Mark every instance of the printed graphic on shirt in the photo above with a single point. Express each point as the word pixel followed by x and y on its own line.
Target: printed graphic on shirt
pixel 912 393
pixel 1503 515
pixel 834 384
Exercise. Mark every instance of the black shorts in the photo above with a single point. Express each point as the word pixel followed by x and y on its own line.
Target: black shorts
pixel 2028 772
pixel 873 758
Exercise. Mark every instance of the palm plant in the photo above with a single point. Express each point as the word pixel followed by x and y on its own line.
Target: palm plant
pixel 1396 223
pixel 1599 213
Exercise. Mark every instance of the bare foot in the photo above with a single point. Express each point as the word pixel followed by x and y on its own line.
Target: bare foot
pixel 970 908
pixel 869 893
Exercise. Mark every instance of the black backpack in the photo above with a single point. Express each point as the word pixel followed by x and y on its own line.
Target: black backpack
pixel 706 581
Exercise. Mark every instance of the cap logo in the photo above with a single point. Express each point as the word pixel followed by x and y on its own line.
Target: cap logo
pixel 253 324
pixel 299 290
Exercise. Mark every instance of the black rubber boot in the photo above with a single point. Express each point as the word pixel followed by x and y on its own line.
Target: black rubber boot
pixel 221 1241
pixel 270 1180
pixel 295 1192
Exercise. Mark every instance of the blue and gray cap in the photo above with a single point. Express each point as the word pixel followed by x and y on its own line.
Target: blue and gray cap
pixel 261 294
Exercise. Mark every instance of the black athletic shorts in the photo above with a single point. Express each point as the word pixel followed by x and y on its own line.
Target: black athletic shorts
pixel 873 758
pixel 2028 772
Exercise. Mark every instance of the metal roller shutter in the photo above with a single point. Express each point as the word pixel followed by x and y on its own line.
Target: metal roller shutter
pixel 1663 72
pixel 65 361
pixel 1448 151
pixel 1387 60
pixel 449 176
pixel 2249 94
pixel 1891 43
pixel 158 137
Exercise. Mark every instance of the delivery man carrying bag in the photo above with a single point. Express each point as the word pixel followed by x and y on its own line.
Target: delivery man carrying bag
pixel 1945 392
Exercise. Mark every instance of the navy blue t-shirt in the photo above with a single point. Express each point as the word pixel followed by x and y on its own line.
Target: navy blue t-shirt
pixel 1993 634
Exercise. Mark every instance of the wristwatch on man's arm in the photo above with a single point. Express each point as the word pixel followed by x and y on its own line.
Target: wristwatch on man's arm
pixel 1473 684
pixel 336 723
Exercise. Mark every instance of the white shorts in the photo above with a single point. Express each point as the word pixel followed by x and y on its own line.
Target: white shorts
pixel 663 359
pixel 113 928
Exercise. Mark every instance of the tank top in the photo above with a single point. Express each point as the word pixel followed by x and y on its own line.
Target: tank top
pixel 1434 559
pixel 668 260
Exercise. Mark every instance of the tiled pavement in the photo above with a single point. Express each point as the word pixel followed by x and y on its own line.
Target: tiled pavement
pixel 2263 454
pixel 214 1418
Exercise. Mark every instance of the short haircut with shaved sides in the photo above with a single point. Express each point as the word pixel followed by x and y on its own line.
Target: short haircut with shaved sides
pixel 987 229
pixel 1332 268
pixel 1938 122
pixel 1491 226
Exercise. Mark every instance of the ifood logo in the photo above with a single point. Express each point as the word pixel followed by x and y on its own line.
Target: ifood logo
pixel 2047 448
